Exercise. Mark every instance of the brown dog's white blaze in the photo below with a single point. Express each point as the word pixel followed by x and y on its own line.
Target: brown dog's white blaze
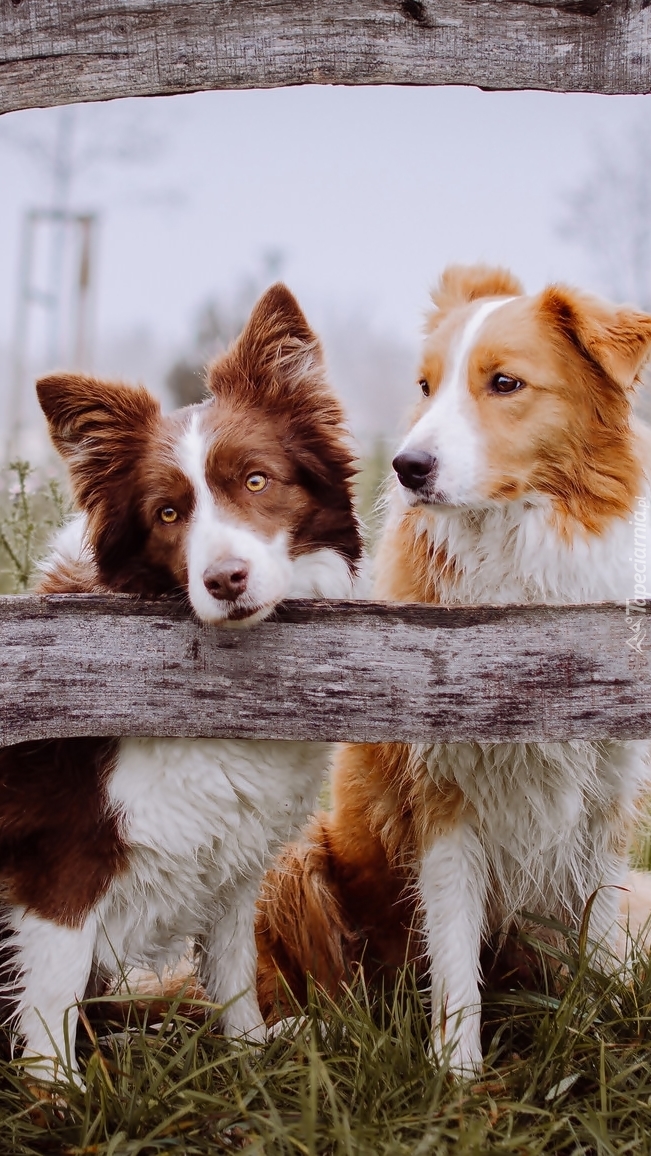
pixel 257 478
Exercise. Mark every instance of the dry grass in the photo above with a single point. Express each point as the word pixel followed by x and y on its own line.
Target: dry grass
pixel 567 1071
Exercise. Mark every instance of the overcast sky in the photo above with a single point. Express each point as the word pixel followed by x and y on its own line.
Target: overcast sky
pixel 368 192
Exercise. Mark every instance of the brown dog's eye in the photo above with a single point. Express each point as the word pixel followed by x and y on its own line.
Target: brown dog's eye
pixel 502 383
pixel 168 515
pixel 256 483
pixel 424 385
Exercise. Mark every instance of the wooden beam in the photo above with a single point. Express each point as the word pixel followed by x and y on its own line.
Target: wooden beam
pixel 362 671
pixel 59 51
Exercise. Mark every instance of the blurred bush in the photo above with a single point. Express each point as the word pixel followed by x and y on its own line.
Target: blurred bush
pixel 30 511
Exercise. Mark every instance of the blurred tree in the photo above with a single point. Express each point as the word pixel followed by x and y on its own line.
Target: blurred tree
pixel 608 214
pixel 218 323
pixel 372 371
pixel 371 485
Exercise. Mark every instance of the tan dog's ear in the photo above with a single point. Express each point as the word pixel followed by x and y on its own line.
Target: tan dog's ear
pixel 276 350
pixel 617 338
pixel 98 427
pixel 460 284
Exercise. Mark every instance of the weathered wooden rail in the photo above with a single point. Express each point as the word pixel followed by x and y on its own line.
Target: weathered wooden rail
pixel 58 51
pixel 361 671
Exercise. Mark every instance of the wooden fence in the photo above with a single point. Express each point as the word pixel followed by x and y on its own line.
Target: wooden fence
pixel 363 671
pixel 359 671
pixel 56 51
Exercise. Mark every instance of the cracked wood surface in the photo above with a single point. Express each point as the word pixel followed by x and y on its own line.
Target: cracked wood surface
pixel 60 51
pixel 362 671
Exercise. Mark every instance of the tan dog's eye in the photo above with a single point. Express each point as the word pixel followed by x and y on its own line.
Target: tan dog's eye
pixel 256 483
pixel 168 515
pixel 502 383
pixel 424 385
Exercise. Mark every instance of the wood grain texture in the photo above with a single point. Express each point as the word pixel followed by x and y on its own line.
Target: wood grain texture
pixel 87 665
pixel 59 51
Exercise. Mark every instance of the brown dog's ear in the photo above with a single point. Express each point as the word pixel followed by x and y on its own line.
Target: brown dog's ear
pixel 278 360
pixel 275 351
pixel 617 338
pixel 82 410
pixel 461 284
pixel 98 427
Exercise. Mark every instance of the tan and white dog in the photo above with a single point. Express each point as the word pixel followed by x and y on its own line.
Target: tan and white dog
pixel 522 479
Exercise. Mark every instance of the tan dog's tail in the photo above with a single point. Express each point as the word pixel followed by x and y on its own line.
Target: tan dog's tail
pixel 300 928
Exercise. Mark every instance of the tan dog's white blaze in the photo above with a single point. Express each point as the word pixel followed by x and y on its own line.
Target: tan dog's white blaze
pixel 449 429
pixel 517 483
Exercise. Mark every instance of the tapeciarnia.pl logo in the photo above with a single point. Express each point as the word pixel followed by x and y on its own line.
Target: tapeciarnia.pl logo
pixel 636 607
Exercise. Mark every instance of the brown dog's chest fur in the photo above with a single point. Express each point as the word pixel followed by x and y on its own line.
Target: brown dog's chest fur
pixel 59 845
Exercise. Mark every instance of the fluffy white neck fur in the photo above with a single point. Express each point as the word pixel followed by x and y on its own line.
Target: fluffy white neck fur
pixel 514 553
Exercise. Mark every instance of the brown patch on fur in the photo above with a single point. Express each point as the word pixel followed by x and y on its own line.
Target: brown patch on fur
pixel 71 576
pixel 593 473
pixel 59 844
pixel 300 928
pixel 334 899
pixel 385 788
pixel 616 338
pixel 277 366
pixel 104 432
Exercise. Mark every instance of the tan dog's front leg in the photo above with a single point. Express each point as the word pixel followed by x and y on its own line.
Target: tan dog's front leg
pixel 452 884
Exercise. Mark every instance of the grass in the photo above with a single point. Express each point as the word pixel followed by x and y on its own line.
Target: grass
pixel 641 849
pixel 567 1072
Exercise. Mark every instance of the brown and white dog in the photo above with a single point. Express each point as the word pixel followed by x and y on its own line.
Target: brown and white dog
pixel 524 478
pixel 114 851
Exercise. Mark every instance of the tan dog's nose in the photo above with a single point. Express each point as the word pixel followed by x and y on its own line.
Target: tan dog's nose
pixel 414 468
pixel 226 580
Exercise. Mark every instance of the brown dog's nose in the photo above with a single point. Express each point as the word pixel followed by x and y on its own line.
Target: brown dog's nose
pixel 226 580
pixel 414 467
